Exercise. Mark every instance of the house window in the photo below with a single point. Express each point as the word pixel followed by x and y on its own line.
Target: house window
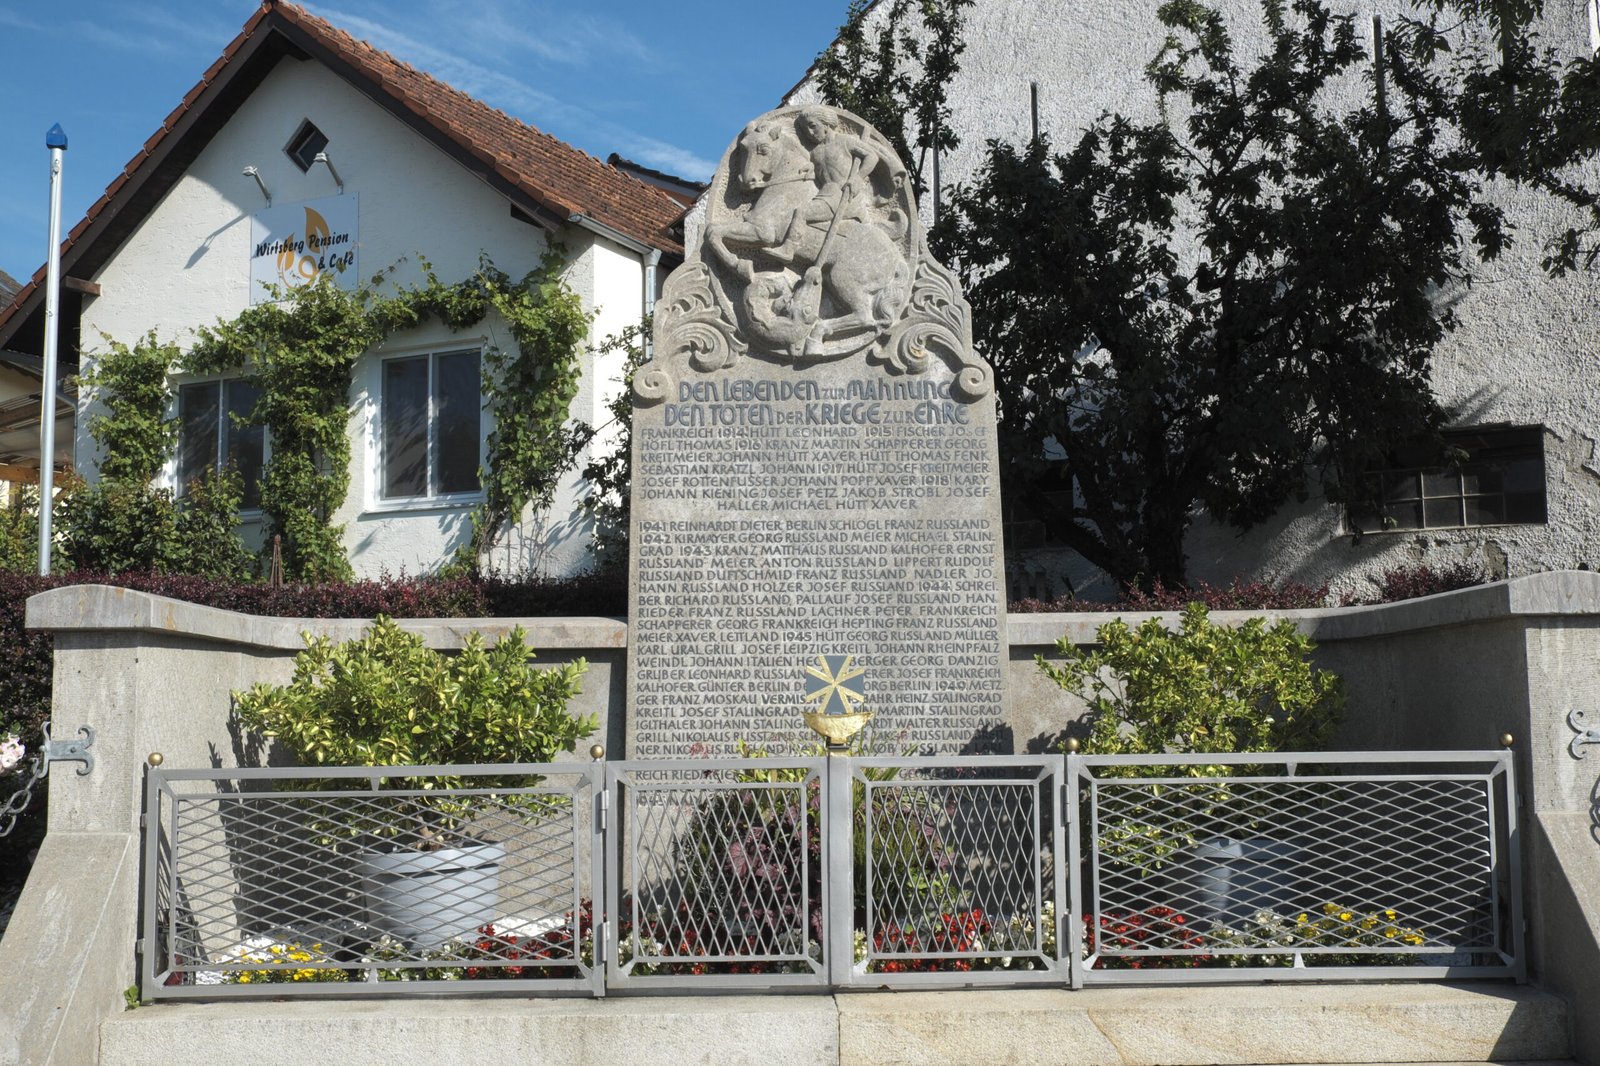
pixel 1498 479
pixel 305 144
pixel 431 425
pixel 212 433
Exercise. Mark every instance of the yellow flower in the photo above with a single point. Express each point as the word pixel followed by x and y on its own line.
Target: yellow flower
pixel 1389 914
pixel 1344 916
pixel 1389 932
pixel 1301 919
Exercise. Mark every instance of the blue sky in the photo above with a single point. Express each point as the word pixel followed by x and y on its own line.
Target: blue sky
pixel 667 85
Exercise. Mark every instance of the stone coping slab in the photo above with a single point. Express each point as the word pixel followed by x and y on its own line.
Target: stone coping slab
pixel 1402 1022
pixel 108 608
pixel 1558 592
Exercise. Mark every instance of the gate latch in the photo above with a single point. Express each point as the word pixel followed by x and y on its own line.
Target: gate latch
pixel 1586 734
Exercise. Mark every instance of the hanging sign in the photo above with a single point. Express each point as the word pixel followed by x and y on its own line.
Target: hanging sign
pixel 294 244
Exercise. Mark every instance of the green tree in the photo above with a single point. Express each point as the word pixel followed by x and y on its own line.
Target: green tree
pixel 1222 307
pixel 892 64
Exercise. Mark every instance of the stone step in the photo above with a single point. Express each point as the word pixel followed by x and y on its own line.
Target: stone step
pixel 1234 1025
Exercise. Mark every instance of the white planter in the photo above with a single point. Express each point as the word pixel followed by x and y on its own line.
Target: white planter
pixel 428 897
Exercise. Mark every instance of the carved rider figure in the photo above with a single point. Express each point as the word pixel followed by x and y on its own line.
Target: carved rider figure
pixel 811 252
pixel 842 166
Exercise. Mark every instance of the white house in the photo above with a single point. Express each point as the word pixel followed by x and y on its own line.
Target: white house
pixel 1519 376
pixel 299 121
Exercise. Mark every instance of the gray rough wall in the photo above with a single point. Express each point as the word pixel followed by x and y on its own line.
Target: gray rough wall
pixel 1527 351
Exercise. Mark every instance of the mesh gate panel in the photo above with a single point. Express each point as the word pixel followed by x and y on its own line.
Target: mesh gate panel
pixel 254 885
pixel 720 871
pixel 960 859
pixel 1296 868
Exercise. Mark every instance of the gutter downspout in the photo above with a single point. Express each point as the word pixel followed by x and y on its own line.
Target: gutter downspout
pixel 651 262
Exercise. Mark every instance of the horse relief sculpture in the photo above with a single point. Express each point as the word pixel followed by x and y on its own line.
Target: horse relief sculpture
pixel 811 252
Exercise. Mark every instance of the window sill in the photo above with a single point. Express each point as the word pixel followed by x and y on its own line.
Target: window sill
pixel 1432 531
pixel 424 505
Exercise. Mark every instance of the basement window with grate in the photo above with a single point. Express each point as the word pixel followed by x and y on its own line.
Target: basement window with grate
pixel 1497 478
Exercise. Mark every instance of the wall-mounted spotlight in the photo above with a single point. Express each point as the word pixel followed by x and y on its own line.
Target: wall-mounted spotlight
pixel 252 172
pixel 322 157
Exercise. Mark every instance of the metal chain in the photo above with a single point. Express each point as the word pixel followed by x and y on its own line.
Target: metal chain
pixel 21 798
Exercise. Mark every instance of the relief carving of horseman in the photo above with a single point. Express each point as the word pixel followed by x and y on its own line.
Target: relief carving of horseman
pixel 811 252
pixel 817 234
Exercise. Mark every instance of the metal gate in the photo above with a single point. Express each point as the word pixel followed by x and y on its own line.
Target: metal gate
pixel 830 872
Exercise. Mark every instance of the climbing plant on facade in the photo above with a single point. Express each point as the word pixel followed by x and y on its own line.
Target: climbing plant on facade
pixel 124 522
pixel 301 349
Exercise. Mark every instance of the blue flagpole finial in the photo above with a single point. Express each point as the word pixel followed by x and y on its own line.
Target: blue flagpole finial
pixel 56 137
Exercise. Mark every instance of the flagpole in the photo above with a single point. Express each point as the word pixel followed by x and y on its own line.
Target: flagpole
pixel 56 141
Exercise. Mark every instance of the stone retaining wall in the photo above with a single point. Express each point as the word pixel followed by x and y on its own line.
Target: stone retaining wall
pixel 150 674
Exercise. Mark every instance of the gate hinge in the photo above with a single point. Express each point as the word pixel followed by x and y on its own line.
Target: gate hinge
pixel 75 750
pixel 1577 721
pixel 602 951
pixel 605 810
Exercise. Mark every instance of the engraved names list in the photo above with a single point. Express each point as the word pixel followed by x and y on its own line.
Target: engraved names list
pixel 784 513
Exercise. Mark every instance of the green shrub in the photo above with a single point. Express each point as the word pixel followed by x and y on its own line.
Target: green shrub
pixel 385 699
pixel 207 541
pixel 118 526
pixel 1202 688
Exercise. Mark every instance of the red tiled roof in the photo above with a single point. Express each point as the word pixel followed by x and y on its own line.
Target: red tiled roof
pixel 557 177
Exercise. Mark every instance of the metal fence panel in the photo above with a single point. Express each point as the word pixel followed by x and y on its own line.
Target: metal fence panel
pixel 960 870
pixel 351 881
pixel 838 871
pixel 1295 867
pixel 715 874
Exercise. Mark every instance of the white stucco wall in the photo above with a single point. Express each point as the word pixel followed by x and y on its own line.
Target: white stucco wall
pixel 187 265
pixel 1527 352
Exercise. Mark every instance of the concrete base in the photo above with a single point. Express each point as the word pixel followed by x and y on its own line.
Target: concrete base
pixel 1235 1025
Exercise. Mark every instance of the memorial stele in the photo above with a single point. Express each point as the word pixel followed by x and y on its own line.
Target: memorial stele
pixel 815 470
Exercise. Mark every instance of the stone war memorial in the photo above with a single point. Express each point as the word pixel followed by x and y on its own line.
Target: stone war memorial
pixel 816 494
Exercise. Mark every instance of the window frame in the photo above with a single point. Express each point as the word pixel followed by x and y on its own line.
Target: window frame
pixel 175 467
pixel 1489 438
pixel 377 502
pixel 296 144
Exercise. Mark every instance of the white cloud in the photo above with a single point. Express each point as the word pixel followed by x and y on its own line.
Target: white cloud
pixel 557 35
pixel 661 156
pixel 517 97
pixel 16 21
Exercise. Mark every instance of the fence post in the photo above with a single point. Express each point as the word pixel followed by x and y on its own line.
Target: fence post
pixel 838 877
pixel 1069 923
pixel 603 842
